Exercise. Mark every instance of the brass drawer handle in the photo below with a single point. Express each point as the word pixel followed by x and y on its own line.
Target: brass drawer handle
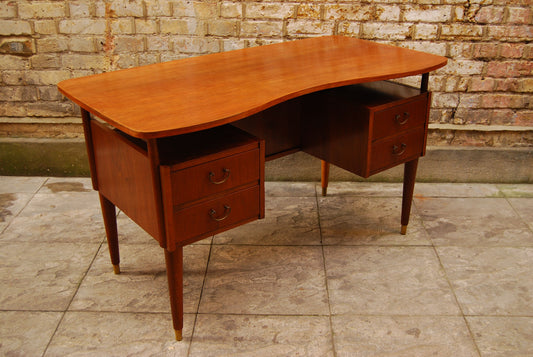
pixel 399 150
pixel 213 213
pixel 224 179
pixel 399 120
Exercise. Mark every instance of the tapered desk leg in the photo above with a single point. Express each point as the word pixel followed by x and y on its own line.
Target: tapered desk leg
pixel 110 222
pixel 324 177
pixel 174 262
pixel 409 176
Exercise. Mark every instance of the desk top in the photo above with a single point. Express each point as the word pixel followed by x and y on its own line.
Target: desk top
pixel 197 93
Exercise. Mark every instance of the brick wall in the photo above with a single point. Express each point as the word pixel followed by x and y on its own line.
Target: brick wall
pixel 482 98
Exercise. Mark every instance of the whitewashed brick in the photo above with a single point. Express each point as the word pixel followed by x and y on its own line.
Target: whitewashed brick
pixel 82 26
pixel 145 26
pixel 182 26
pixel 13 62
pixel 269 11
pixel 81 44
pixel 428 14
pixel 84 61
pixel 47 77
pixel 359 12
pixel 387 12
pixel 80 9
pixel 8 9
pixel 45 27
pixel 386 31
pixel 231 9
pixel 426 31
pixel 14 27
pixel 310 27
pixel 156 8
pixel 39 10
pixel 252 28
pixel 223 27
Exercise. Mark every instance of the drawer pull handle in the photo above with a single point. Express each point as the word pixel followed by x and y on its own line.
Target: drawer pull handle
pixel 399 119
pixel 224 179
pixel 399 150
pixel 213 213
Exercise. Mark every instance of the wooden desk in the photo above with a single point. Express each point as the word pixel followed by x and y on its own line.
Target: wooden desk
pixel 180 146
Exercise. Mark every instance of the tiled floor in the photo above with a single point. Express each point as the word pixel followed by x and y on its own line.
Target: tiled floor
pixel 319 276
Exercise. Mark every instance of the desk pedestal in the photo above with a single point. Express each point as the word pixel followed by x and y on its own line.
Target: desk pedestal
pixel 184 188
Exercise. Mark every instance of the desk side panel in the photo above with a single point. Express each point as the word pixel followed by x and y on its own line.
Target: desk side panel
pixel 336 131
pixel 278 126
pixel 124 177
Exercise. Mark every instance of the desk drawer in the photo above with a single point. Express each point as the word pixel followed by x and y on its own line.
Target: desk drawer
pixel 215 176
pixel 217 215
pixel 397 149
pixel 400 117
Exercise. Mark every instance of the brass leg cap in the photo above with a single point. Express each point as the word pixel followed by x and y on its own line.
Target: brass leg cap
pixel 404 229
pixel 178 335
pixel 324 191
pixel 116 269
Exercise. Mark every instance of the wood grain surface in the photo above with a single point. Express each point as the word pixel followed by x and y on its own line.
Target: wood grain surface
pixel 202 92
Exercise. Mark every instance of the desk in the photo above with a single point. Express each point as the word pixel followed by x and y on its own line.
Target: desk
pixel 180 147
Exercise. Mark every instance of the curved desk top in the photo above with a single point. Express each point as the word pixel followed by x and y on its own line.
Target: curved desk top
pixel 198 93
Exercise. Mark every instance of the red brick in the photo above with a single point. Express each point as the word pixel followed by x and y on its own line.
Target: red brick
pixel 502 116
pixel 478 84
pixel 486 50
pixel 490 15
pixel 497 100
pixel 510 33
pixel 519 15
pixel 512 50
pixel 465 31
pixel 524 118
pixel 509 68
pixel 506 85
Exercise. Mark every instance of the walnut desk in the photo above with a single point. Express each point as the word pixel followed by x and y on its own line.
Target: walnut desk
pixel 180 147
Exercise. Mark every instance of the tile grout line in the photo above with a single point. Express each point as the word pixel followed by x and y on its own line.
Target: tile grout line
pixel 517 214
pixel 64 312
pixel 450 285
pixel 201 294
pixel 330 315
pixel 26 205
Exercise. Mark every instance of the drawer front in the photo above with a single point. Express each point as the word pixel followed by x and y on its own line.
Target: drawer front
pixel 396 150
pixel 398 118
pixel 215 176
pixel 215 215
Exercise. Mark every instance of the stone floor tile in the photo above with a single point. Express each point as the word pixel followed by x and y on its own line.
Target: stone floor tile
pixel 402 336
pixel 387 280
pixel 517 190
pixel 251 335
pixel 118 334
pixel 423 189
pixel 288 221
pixel 67 184
pixel 142 284
pixel 10 206
pixel 265 280
pixel 473 222
pixel 26 333
pixel 20 184
pixel 289 189
pixel 524 208
pixel 502 336
pixel 66 217
pixel 368 221
pixel 490 280
pixel 377 189
pixel 42 276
